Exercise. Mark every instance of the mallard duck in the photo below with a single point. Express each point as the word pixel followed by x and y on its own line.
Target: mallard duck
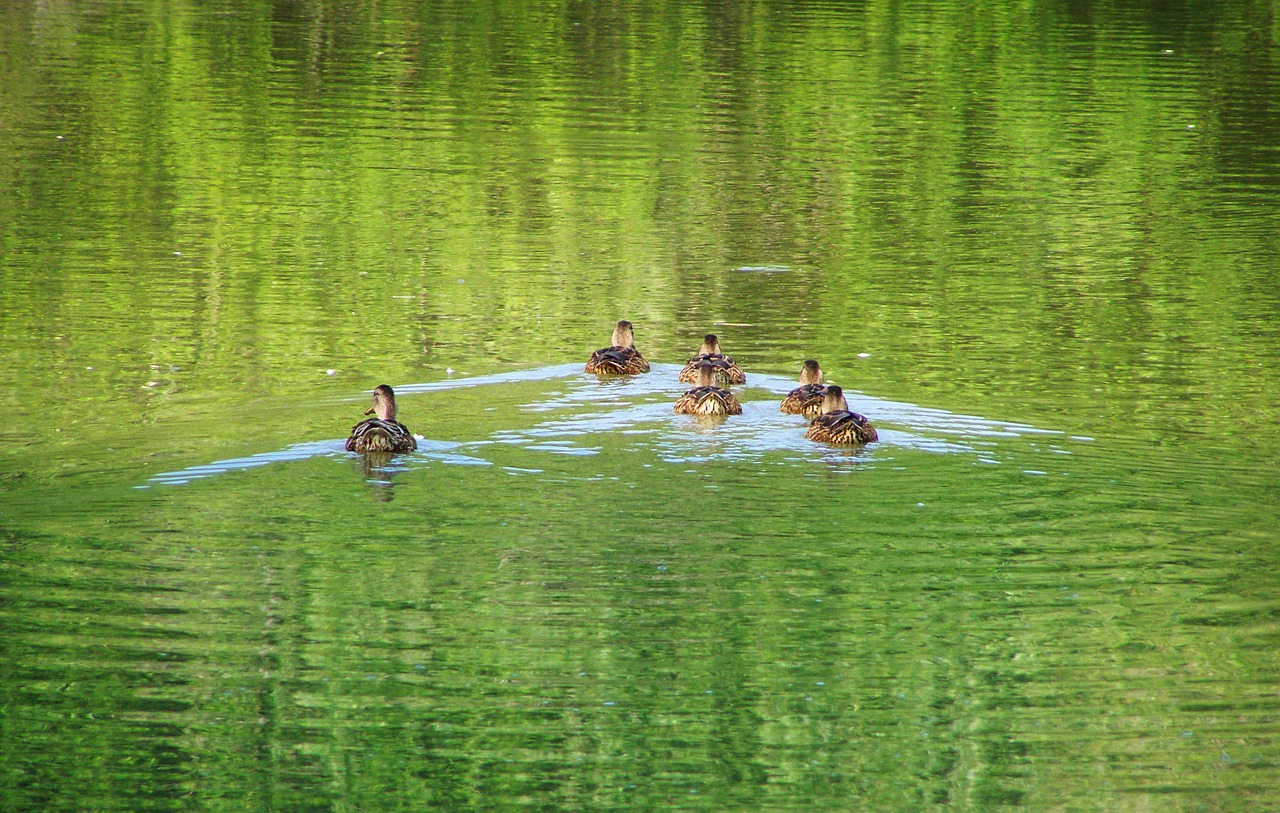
pixel 838 425
pixel 382 433
pixel 707 398
pixel 621 358
pixel 710 352
pixel 806 399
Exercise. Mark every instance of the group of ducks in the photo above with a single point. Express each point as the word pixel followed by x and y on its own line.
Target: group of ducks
pixel 710 371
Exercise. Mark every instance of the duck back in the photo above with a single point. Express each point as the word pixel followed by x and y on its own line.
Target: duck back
pixel 617 361
pixel 805 400
pixel 376 435
pixel 708 401
pixel 842 428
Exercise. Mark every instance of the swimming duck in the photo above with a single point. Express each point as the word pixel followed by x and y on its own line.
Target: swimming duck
pixel 622 358
pixel 806 399
pixel 838 425
pixel 382 433
pixel 707 398
pixel 710 352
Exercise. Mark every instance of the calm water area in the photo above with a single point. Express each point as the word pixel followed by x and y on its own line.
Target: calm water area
pixel 1038 244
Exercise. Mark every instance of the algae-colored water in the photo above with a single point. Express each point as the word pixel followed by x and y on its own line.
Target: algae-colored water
pixel 1036 244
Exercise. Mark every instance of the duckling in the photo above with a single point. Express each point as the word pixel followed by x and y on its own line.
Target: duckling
pixel 838 425
pixel 806 399
pixel 707 398
pixel 621 358
pixel 710 351
pixel 382 433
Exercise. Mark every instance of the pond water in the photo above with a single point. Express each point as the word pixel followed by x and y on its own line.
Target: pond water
pixel 1036 243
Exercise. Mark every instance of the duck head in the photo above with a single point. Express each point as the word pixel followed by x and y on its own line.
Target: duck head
pixel 384 403
pixel 711 375
pixel 810 373
pixel 623 334
pixel 833 400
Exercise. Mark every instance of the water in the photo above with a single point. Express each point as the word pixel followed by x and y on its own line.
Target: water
pixel 1036 245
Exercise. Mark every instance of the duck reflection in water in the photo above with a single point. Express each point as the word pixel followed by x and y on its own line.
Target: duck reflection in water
pixel 375 468
pixel 378 440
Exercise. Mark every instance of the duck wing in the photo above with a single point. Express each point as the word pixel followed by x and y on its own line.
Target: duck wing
pixel 375 435
pixel 617 361
pixel 805 400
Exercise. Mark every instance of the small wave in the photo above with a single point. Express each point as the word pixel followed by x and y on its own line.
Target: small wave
pixel 640 408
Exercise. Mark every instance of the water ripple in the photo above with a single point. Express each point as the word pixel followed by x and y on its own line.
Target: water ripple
pixel 640 407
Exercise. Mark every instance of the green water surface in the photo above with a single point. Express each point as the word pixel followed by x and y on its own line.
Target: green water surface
pixel 1036 242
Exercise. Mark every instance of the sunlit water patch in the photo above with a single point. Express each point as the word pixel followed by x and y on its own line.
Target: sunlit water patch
pixel 764 269
pixel 428 450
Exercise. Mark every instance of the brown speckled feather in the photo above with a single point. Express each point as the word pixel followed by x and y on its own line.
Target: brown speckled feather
pixel 617 361
pixel 806 401
pixel 708 401
pixel 727 366
pixel 621 357
pixel 381 433
pixel 842 428
pixel 377 435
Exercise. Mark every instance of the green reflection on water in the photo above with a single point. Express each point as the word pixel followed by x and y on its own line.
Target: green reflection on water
pixel 223 222
pixel 650 625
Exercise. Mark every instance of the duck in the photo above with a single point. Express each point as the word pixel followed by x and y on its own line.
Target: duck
pixel 707 398
pixel 710 352
pixel 838 425
pixel 806 399
pixel 382 433
pixel 620 358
